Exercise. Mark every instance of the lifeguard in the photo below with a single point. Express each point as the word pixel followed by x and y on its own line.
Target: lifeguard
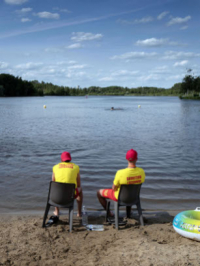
pixel 68 172
pixel 129 175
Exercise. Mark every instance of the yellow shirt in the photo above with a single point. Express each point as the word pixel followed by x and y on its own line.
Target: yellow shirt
pixel 66 172
pixel 128 176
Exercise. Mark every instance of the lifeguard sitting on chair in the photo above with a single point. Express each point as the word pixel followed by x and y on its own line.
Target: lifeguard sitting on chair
pixel 129 175
pixel 68 172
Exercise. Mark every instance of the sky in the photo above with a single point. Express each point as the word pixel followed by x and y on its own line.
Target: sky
pixel 102 43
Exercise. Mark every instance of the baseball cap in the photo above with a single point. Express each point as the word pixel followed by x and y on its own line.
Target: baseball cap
pixel 131 155
pixel 65 156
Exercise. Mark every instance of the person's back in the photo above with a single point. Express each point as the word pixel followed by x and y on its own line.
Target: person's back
pixel 66 172
pixel 128 176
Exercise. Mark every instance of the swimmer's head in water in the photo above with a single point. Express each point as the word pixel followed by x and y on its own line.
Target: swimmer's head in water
pixel 112 108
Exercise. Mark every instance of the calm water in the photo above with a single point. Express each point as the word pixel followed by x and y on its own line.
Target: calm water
pixel 165 131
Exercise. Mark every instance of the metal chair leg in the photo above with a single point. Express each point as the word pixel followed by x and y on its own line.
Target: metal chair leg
pixel 107 210
pixel 71 210
pixel 46 214
pixel 128 211
pixel 140 214
pixel 116 215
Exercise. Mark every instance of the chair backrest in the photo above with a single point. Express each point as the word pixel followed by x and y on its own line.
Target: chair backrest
pixel 61 193
pixel 129 194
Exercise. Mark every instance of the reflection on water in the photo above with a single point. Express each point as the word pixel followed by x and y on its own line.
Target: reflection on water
pixel 164 131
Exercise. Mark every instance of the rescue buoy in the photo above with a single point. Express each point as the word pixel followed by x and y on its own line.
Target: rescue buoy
pixel 187 224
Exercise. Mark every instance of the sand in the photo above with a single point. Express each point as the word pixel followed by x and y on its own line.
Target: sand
pixel 24 242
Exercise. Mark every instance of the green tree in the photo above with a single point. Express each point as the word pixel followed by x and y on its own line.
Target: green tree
pixel 15 86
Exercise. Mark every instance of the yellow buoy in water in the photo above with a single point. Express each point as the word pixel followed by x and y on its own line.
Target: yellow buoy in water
pixel 44 106
pixel 139 106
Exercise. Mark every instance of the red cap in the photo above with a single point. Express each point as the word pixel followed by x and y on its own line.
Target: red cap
pixel 65 156
pixel 131 155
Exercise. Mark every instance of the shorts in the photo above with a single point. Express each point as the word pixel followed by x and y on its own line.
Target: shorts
pixel 77 193
pixel 109 194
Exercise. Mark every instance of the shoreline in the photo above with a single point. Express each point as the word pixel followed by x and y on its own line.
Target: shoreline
pixel 91 212
pixel 24 242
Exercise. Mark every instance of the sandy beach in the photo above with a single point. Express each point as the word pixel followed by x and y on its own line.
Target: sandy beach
pixel 24 242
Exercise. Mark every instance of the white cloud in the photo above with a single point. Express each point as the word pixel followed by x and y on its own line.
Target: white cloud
pixel 80 74
pixel 124 73
pixel 120 75
pixel 149 77
pixel 61 24
pixel 53 50
pixel 137 21
pixel 64 10
pixel 77 75
pixel 55 72
pixel 74 46
pixel 24 10
pixel 106 79
pixel 160 70
pixel 85 36
pixel 50 71
pixel 25 19
pixel 15 2
pixel 29 65
pixel 71 62
pixel 171 55
pixel 77 67
pixel 177 77
pixel 134 55
pixel 153 42
pixel 181 63
pixel 48 15
pixel 178 20
pixel 3 65
pixel 68 75
pixel 61 63
pixel 143 20
pixel 162 15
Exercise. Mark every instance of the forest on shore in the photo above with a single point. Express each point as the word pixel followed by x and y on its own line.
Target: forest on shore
pixel 11 86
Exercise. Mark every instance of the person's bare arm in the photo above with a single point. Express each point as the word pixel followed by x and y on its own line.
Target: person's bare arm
pixel 115 188
pixel 78 180
pixel 53 177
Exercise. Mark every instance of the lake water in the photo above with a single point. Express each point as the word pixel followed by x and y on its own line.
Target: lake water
pixel 165 131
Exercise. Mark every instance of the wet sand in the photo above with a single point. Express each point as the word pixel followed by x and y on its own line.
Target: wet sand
pixel 24 242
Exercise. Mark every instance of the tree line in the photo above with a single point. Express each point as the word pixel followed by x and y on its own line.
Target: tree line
pixel 14 86
pixel 190 84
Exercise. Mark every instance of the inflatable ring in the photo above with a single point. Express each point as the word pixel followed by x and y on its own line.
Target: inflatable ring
pixel 187 224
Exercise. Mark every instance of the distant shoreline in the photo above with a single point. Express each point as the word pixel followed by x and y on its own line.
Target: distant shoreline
pixel 11 86
pixel 189 98
pixel 91 212
pixel 89 95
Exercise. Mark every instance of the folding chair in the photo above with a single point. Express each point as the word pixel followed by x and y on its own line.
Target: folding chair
pixel 129 195
pixel 60 195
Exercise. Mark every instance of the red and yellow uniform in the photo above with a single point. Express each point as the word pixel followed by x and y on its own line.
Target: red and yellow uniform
pixel 128 176
pixel 124 177
pixel 66 172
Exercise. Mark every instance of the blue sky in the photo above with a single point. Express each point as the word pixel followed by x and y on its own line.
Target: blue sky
pixel 100 43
